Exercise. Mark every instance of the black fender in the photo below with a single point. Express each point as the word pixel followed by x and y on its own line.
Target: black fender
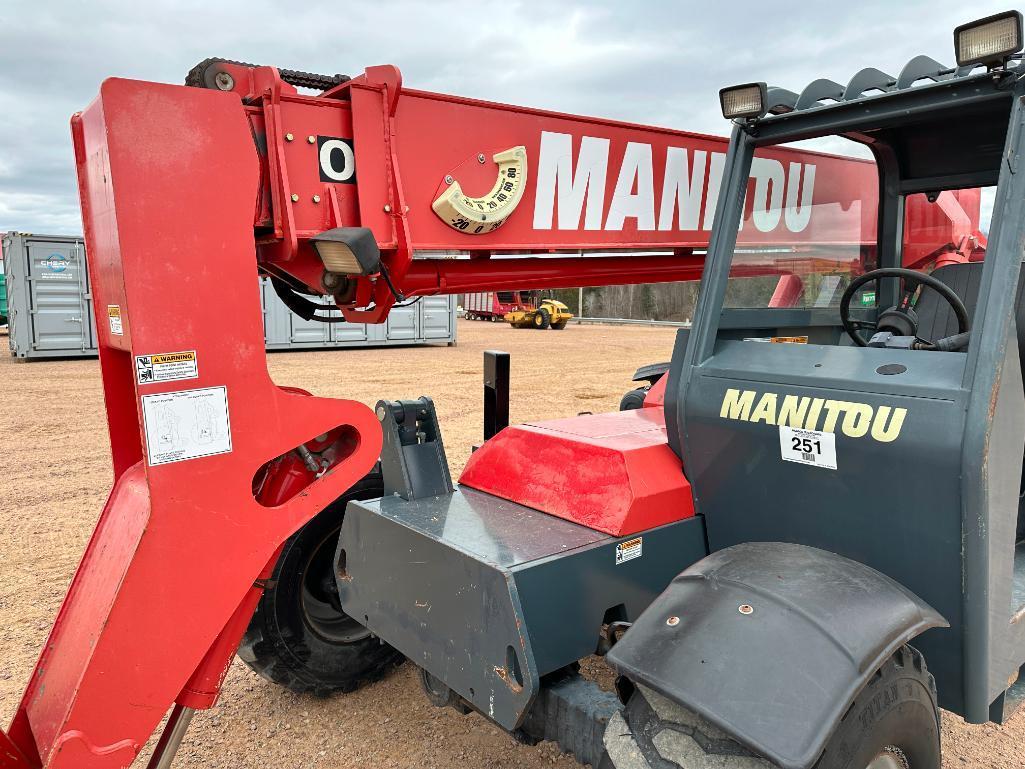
pixel 650 373
pixel 771 642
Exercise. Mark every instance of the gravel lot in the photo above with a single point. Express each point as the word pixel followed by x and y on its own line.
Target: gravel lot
pixel 58 474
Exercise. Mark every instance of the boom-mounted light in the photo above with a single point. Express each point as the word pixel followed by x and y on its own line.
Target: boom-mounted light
pixel 348 250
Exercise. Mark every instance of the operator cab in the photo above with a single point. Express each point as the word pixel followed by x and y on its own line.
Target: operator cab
pixel 855 354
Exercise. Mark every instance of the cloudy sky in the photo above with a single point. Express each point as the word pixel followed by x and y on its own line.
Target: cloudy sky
pixel 653 62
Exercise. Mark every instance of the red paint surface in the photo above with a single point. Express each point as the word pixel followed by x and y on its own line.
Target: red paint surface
pixel 168 178
pixel 611 472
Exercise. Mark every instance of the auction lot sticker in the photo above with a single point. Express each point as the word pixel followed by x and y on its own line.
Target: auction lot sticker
pixel 187 424
pixel 166 367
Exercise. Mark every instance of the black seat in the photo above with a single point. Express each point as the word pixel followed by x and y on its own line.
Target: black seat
pixel 936 320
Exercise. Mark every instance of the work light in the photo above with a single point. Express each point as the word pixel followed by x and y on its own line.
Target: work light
pixel 743 101
pixel 988 41
pixel 348 250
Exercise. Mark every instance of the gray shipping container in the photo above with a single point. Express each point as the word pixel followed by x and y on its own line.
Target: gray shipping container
pixel 49 300
pixel 431 319
pixel 51 308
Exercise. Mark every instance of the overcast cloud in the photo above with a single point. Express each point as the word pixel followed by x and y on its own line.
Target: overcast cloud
pixel 652 62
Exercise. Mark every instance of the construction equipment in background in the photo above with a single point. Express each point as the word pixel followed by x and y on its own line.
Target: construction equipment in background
pixel 545 313
pixel 493 305
pixel 752 556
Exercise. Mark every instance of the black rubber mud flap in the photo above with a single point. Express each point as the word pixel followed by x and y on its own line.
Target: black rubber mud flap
pixel 771 642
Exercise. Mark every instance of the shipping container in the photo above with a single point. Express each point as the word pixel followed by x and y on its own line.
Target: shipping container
pixel 430 319
pixel 51 313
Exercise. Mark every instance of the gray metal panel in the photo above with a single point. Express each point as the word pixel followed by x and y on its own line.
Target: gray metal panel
pixel 874 507
pixel 454 581
pixel 436 318
pixel 402 324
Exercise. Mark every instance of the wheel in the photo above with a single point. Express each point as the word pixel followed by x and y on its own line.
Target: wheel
pixel 542 319
pixel 560 325
pixel 633 399
pixel 299 636
pixel 893 724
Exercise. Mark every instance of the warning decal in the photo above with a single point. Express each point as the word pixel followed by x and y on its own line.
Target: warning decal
pixel 627 551
pixel 166 367
pixel 188 424
pixel 114 316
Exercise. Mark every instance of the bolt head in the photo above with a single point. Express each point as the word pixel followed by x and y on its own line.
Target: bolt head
pixel 449 180
pixel 295 197
pixel 224 81
pixel 673 621
pixel 387 208
pixel 311 139
pixel 746 609
pixel 289 137
pixel 381 413
pixel 316 198
pixel 480 158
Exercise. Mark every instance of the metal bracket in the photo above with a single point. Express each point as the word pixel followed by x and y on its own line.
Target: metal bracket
pixel 413 460
pixel 496 392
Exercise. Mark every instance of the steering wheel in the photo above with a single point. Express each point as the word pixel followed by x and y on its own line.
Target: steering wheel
pixel 901 319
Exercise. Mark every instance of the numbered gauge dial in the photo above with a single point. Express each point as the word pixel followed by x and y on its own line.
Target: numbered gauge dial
pixel 476 216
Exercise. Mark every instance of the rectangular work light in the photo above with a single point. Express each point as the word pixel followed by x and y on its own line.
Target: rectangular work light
pixel 743 101
pixel 988 41
pixel 348 250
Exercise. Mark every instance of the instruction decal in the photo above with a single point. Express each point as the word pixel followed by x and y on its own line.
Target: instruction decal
pixel 166 367
pixel 627 551
pixel 114 316
pixel 188 424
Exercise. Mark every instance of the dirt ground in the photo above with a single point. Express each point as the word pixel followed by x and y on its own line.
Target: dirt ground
pixel 57 474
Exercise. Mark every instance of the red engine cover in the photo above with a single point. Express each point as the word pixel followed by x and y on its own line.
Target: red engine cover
pixel 610 472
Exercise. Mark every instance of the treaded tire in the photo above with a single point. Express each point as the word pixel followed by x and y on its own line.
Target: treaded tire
pixel 542 319
pixel 282 643
pixel 559 326
pixel 895 713
pixel 633 399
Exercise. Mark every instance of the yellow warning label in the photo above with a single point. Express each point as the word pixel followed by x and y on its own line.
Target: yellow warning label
pixel 789 339
pixel 114 317
pixel 166 367
pixel 174 357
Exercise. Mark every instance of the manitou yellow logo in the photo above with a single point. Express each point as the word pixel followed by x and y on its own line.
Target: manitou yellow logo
pixel 855 420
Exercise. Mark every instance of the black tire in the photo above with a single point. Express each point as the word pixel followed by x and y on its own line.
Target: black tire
pixel 542 319
pixel 633 399
pixel 894 717
pixel 560 325
pixel 299 637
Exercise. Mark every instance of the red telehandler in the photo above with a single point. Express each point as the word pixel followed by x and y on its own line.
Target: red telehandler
pixel 772 646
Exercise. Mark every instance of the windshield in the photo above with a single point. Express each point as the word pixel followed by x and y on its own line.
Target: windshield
pixel 809 227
